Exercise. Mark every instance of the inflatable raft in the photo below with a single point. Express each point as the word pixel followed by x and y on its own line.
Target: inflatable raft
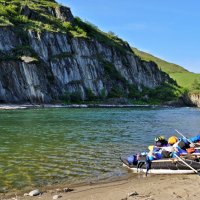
pixel 164 166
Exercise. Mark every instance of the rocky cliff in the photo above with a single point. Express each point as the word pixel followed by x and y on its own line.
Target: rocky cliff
pixel 192 99
pixel 44 66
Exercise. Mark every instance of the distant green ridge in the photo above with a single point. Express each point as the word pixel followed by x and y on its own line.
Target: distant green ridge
pixel 183 77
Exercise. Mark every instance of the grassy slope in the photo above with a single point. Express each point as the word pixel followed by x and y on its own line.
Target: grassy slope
pixel 10 15
pixel 183 77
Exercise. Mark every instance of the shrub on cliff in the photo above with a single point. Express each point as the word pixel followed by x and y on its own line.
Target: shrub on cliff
pixel 72 97
pixel 134 93
pixel 163 93
pixel 75 97
pixel 196 84
pixel 116 92
pixel 90 95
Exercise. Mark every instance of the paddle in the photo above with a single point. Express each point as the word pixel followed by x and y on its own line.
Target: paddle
pixel 184 136
pixel 197 145
pixel 194 170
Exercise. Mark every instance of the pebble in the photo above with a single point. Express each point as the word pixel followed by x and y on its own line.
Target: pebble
pixel 67 190
pixel 34 193
pixel 58 190
pixel 133 194
pixel 57 196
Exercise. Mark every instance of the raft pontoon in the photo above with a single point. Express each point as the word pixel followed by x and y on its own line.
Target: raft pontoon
pixel 164 166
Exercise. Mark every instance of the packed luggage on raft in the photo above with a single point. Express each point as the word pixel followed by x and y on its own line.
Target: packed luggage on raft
pixel 172 156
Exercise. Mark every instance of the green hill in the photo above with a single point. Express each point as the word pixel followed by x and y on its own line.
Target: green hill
pixel 183 77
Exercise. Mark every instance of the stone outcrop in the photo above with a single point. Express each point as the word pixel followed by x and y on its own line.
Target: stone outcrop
pixel 64 13
pixel 26 11
pixel 60 12
pixel 195 99
pixel 192 99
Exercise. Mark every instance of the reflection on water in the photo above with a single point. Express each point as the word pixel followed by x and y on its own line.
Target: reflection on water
pixel 46 146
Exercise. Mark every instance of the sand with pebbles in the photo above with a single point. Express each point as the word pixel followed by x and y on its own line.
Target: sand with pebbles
pixel 154 187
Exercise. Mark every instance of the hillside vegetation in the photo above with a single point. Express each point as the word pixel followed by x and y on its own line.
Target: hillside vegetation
pixel 183 77
pixel 39 15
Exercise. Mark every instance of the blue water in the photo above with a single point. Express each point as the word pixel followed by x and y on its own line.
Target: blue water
pixel 67 145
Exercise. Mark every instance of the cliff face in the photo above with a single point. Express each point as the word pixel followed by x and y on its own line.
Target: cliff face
pixel 192 99
pixel 43 67
pixel 195 99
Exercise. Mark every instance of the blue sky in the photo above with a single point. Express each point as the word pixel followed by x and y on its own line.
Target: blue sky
pixel 169 29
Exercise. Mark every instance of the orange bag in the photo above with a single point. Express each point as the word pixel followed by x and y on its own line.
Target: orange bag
pixel 190 150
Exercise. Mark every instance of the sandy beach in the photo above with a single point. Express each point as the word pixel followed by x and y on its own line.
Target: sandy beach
pixel 153 187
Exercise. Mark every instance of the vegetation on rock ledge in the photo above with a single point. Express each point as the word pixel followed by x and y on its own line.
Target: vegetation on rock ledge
pixel 40 15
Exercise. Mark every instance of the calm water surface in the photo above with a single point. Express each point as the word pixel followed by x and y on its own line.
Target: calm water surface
pixel 48 146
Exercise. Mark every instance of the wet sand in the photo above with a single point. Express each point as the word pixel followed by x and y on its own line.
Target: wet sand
pixel 154 187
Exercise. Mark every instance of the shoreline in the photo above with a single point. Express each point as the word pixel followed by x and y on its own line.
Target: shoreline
pixel 153 187
pixel 54 188
pixel 32 106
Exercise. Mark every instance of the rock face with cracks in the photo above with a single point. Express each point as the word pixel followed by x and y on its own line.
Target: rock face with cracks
pixel 192 99
pixel 53 64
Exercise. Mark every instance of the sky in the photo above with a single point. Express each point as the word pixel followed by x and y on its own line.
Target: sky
pixel 168 29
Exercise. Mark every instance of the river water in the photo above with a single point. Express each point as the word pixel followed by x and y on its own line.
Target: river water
pixel 40 147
